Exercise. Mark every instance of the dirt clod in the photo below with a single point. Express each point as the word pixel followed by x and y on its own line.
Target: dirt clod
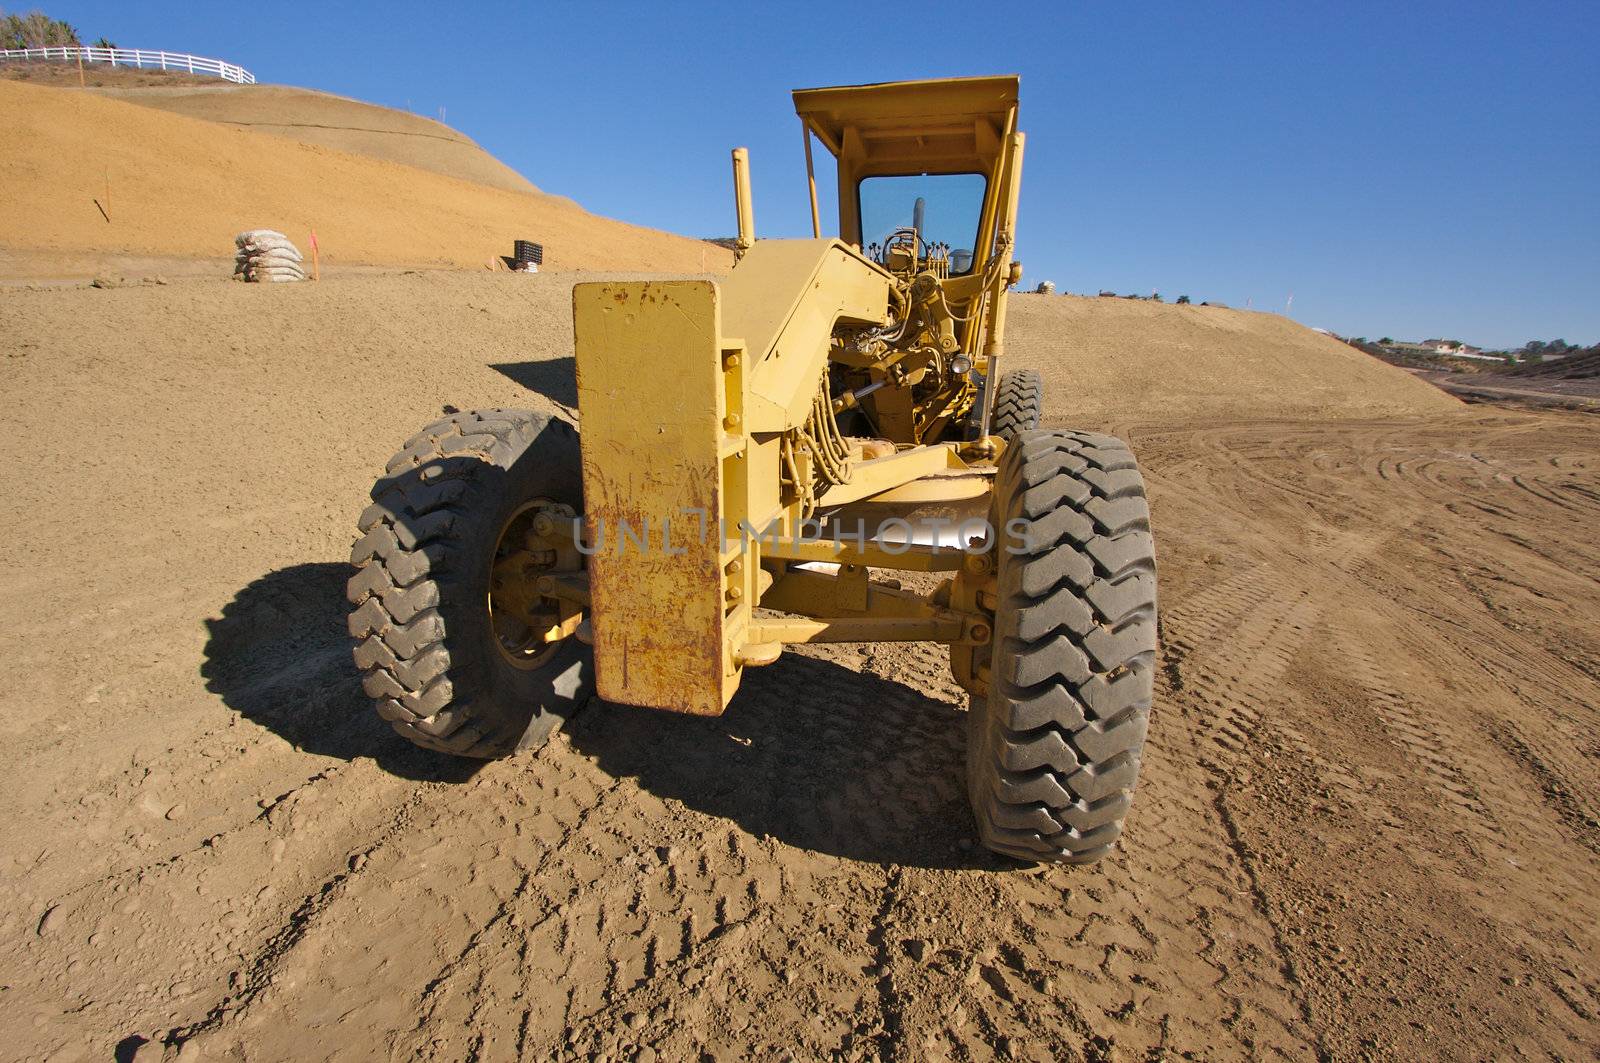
pixel 51 921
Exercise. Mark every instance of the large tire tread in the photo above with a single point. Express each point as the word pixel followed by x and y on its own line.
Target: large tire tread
pixel 1054 750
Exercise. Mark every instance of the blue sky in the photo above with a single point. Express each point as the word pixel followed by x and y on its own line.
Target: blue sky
pixel 1413 170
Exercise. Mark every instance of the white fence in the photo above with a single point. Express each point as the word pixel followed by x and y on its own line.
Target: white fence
pixel 193 64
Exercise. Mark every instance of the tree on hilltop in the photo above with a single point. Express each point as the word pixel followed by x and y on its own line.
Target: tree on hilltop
pixel 36 30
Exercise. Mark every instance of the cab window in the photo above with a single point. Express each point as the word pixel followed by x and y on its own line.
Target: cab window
pixel 950 205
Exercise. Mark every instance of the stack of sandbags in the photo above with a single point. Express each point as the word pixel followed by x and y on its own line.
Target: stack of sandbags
pixel 265 255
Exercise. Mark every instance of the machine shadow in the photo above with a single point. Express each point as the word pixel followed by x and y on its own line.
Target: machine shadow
pixel 554 378
pixel 812 754
pixel 279 655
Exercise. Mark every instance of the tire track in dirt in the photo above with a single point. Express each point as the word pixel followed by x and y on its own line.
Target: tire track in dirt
pixel 1416 731
pixel 1325 565
pixel 1153 942
pixel 618 926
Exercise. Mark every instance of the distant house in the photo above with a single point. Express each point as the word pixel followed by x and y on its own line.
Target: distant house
pixel 1445 348
pixel 1455 347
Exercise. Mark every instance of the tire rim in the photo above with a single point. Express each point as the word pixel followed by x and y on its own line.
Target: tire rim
pixel 518 623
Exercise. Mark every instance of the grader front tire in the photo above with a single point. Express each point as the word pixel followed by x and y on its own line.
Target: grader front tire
pixel 430 654
pixel 1053 751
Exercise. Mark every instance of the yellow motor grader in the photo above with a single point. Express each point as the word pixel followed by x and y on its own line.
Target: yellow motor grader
pixel 754 453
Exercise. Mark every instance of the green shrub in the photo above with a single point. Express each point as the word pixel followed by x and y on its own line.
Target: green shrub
pixel 36 30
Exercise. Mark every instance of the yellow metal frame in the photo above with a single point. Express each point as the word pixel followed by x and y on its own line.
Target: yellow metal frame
pixel 692 393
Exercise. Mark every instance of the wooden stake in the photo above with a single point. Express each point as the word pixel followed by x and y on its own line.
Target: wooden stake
pixel 80 70
pixel 316 262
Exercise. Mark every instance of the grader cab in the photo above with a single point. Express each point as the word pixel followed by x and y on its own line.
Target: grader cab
pixel 755 453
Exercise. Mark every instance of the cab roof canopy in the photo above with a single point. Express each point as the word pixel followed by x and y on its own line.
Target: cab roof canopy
pixel 949 125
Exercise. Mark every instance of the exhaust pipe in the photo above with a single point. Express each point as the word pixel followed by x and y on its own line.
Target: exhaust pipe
pixel 741 200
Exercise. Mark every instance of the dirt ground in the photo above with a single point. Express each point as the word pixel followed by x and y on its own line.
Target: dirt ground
pixel 1366 825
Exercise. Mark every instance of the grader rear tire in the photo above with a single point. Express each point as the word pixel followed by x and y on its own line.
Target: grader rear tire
pixel 1053 751
pixel 1017 403
pixel 431 657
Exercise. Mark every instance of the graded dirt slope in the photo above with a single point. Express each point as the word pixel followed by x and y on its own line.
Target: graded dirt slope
pixel 1366 826
pixel 335 122
pixel 1120 358
pixel 184 186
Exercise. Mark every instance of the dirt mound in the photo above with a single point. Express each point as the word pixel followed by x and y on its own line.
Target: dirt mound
pixel 1111 361
pixel 185 186
pixel 300 114
pixel 334 122
pixel 1365 826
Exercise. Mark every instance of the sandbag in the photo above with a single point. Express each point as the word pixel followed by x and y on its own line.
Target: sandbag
pixel 262 263
pixel 254 236
pixel 288 253
pixel 278 271
pixel 267 255
pixel 274 258
pixel 283 246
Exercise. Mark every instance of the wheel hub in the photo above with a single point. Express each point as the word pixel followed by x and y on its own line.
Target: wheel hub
pixel 535 542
